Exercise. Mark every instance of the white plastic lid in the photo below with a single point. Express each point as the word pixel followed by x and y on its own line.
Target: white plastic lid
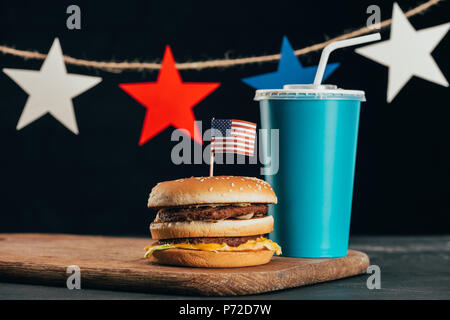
pixel 310 92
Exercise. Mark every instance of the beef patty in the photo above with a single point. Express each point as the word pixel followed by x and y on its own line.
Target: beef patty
pixel 175 214
pixel 231 241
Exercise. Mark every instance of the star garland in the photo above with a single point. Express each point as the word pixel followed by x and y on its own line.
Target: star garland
pixel 169 100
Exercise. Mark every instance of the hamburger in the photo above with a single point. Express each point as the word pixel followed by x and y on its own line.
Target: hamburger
pixel 212 222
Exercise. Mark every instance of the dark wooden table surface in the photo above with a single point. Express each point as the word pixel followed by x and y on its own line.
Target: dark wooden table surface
pixel 411 268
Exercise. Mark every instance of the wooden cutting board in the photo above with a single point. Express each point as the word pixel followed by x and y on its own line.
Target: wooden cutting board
pixel 117 263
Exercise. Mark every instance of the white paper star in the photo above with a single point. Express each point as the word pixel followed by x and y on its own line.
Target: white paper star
pixel 51 89
pixel 407 53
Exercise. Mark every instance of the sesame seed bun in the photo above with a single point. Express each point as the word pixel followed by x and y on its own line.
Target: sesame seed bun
pixel 210 259
pixel 220 228
pixel 211 190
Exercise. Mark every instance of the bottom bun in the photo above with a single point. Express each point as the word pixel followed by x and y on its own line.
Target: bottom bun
pixel 211 259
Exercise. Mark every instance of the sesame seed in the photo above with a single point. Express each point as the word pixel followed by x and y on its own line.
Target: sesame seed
pixel 232 184
pixel 241 188
pixel 210 189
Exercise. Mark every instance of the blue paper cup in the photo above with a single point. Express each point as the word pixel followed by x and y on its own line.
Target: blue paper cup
pixel 318 130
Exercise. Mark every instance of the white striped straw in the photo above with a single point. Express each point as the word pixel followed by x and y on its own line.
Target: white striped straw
pixel 336 45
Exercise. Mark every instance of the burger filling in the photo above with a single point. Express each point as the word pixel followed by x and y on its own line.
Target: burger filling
pixel 215 244
pixel 230 241
pixel 213 212
pixel 219 212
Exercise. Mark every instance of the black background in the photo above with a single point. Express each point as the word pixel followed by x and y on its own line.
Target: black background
pixel 98 182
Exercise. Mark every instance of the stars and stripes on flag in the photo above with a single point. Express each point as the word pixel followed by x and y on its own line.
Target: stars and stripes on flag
pixel 233 136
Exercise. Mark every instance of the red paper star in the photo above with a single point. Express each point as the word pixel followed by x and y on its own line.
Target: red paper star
pixel 169 101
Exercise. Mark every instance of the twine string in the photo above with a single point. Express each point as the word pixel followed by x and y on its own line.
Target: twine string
pixel 112 66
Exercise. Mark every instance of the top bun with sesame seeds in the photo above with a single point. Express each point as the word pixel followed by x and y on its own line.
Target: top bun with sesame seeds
pixel 211 190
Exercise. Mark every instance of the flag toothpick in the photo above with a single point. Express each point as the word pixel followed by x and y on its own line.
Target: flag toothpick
pixel 211 151
pixel 211 163
pixel 236 136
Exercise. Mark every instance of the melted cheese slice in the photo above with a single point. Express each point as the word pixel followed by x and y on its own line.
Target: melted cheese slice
pixel 258 244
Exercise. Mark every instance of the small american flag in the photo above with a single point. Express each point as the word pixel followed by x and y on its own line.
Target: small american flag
pixel 233 136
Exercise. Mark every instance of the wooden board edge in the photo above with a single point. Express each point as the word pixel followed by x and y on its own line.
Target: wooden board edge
pixel 38 273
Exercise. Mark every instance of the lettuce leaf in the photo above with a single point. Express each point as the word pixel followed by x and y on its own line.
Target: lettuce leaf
pixel 150 251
